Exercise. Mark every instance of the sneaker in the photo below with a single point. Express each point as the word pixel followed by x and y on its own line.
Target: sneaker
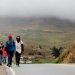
pixel 9 65
pixel 17 65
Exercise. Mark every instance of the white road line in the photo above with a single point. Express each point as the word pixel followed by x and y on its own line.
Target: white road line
pixel 12 71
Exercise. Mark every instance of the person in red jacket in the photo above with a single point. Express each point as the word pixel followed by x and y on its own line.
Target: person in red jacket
pixel 4 53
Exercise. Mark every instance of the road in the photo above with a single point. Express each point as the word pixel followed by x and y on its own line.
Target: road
pixel 42 69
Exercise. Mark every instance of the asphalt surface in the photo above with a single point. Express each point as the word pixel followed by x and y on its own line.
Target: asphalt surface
pixel 42 69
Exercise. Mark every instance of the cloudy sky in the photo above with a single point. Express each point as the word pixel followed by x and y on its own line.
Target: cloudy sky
pixel 29 8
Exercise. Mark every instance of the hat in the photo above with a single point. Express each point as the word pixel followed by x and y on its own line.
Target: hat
pixel 9 35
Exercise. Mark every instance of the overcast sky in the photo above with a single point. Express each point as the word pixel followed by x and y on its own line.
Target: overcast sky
pixel 28 8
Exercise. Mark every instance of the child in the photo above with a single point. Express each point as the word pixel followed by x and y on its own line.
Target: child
pixel 5 55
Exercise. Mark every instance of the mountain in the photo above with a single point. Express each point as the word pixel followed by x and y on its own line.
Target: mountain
pixel 50 31
pixel 42 23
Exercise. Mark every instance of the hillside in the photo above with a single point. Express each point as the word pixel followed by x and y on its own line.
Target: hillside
pixel 41 31
pixel 70 55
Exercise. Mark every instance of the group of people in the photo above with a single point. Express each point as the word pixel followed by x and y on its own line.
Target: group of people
pixel 11 48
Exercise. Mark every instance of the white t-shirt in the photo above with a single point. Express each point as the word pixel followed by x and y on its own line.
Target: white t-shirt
pixel 18 46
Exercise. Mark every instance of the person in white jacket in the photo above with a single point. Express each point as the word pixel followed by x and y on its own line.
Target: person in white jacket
pixel 19 49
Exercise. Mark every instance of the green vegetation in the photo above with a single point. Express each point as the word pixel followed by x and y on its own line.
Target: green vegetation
pixel 61 57
pixel 41 61
pixel 56 52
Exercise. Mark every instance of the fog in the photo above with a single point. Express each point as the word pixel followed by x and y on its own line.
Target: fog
pixel 38 8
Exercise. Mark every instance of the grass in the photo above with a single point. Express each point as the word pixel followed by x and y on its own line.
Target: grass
pixel 49 60
pixel 41 61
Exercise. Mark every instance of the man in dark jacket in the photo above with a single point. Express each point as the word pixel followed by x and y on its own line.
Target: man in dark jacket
pixel 10 48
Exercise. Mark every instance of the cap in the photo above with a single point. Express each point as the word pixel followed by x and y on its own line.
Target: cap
pixel 9 35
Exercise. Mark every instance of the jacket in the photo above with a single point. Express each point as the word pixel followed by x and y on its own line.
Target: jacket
pixel 10 47
pixel 4 52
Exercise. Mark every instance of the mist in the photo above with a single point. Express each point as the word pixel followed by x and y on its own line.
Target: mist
pixel 38 8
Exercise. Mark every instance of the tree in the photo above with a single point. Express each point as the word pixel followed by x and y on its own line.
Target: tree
pixel 56 52
pixel 40 46
pixel 39 53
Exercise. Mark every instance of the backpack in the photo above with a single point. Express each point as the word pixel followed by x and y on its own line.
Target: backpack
pixel 8 45
pixel 10 42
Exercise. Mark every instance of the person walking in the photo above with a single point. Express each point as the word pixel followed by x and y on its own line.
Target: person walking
pixel 1 54
pixel 10 48
pixel 5 56
pixel 19 49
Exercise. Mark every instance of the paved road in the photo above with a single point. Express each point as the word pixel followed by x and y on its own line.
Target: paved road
pixel 42 69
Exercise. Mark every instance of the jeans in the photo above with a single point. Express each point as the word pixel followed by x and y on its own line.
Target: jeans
pixel 17 56
pixel 10 56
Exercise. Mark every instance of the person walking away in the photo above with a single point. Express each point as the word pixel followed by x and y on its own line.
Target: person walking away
pixel 1 54
pixel 10 48
pixel 19 49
